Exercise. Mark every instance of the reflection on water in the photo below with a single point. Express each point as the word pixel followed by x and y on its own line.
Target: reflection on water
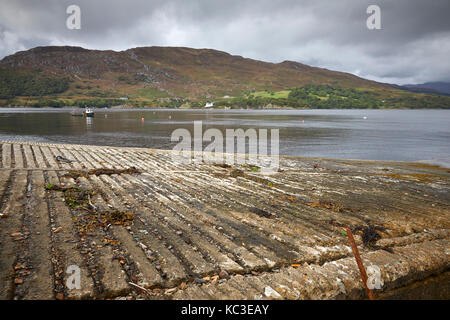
pixel 360 134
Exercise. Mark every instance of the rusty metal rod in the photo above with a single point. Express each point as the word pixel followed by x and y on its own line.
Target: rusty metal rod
pixel 361 268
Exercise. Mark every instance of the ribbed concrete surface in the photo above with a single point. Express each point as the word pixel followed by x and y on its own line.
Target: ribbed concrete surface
pixel 194 221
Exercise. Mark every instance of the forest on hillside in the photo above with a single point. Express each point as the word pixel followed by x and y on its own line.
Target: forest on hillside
pixel 30 83
pixel 327 97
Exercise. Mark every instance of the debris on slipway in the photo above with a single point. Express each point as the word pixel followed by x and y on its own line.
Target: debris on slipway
pixel 138 225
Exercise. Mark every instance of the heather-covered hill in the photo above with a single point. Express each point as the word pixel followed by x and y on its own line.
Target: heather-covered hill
pixel 155 75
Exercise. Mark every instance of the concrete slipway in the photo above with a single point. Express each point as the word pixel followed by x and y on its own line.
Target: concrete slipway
pixel 205 231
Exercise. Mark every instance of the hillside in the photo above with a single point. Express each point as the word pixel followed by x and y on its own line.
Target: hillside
pixel 169 76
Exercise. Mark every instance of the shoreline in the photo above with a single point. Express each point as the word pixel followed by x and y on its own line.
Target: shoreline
pixel 435 163
pixel 195 231
pixel 206 109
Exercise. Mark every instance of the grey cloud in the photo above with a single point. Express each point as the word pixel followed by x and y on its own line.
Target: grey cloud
pixel 412 47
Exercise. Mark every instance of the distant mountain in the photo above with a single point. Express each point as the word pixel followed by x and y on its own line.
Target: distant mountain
pixel 174 71
pixel 152 76
pixel 432 87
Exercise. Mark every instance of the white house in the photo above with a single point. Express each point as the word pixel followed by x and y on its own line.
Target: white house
pixel 209 104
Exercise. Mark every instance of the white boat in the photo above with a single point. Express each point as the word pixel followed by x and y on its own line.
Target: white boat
pixel 88 112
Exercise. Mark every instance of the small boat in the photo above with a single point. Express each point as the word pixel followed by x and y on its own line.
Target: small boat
pixel 88 112
pixel 76 114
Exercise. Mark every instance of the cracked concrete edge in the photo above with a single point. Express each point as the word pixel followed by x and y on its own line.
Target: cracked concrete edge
pixel 340 279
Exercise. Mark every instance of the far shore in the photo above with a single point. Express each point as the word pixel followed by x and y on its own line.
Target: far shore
pixel 127 107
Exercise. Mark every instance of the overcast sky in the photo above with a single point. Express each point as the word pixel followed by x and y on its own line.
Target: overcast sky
pixel 413 45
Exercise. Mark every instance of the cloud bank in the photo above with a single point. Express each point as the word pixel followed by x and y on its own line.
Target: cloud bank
pixel 413 45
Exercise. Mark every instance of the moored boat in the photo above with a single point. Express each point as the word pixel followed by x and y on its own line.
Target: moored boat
pixel 88 112
pixel 76 114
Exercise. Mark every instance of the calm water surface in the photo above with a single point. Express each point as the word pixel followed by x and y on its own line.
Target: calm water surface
pixel 408 135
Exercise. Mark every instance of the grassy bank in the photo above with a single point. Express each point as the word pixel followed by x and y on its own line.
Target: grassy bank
pixel 309 97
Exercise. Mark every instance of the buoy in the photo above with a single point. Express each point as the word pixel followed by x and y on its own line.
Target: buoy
pixel 170 117
pixel 364 118
pixel 303 121
pixel 142 119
